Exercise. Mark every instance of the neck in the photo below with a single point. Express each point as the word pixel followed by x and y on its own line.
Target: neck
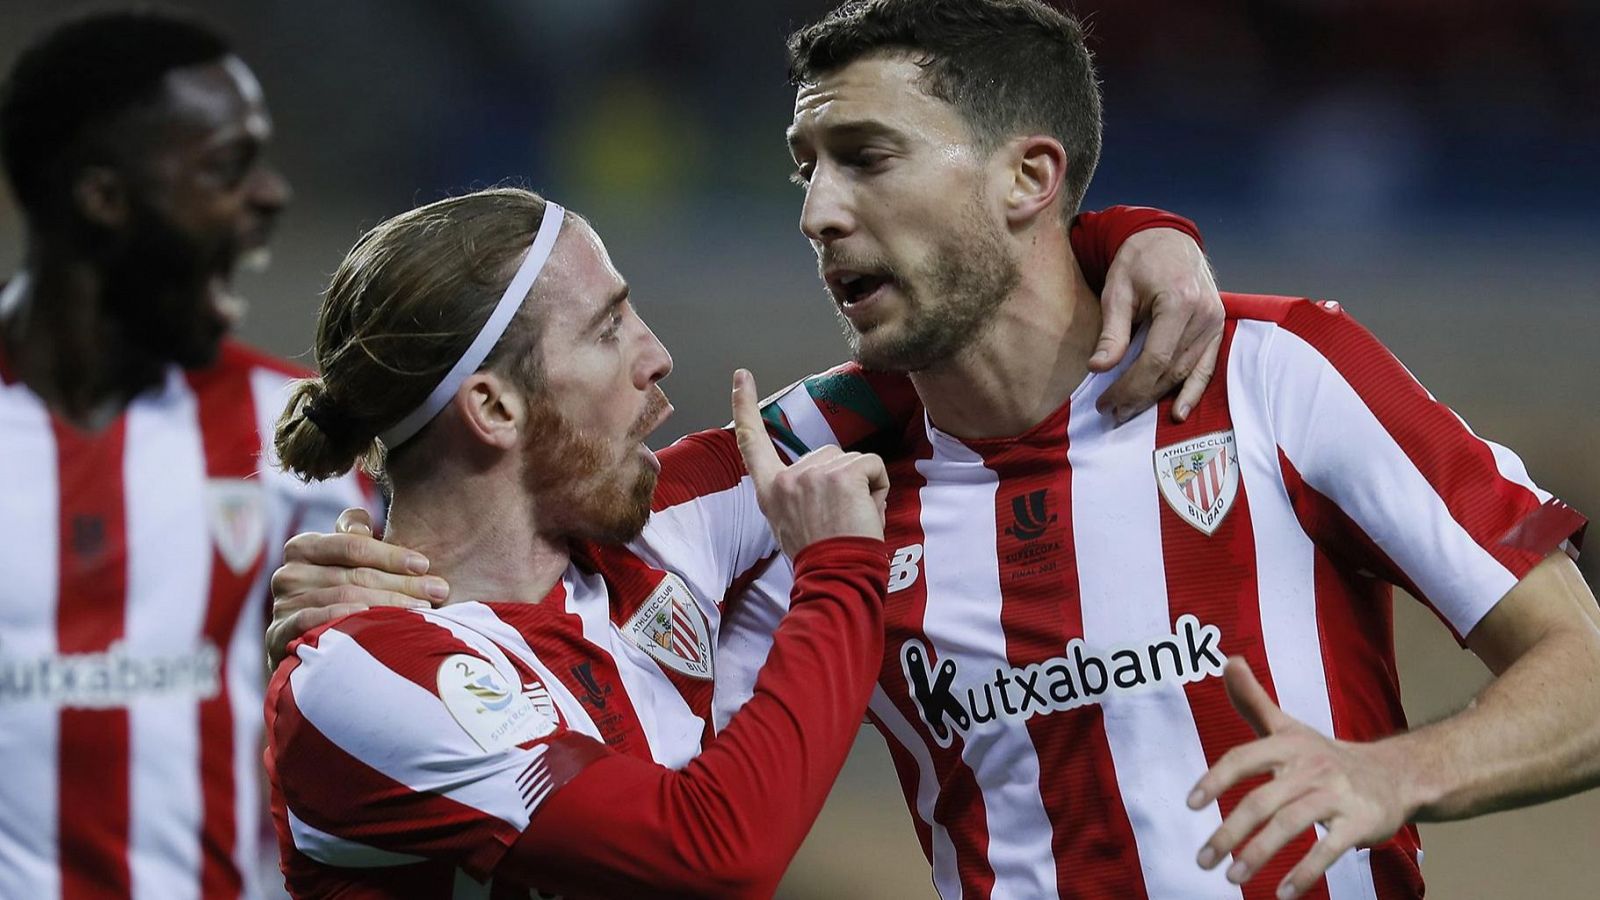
pixel 64 343
pixel 479 536
pixel 1028 361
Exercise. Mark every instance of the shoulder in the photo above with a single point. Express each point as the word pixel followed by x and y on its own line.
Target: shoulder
pixel 1302 330
pixel 850 406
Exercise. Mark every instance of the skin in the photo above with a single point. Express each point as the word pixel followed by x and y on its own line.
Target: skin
pixel 1532 734
pixel 882 164
pixel 131 271
pixel 473 511
pixel 877 157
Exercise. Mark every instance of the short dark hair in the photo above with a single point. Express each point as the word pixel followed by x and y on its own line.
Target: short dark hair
pixel 1010 67
pixel 79 74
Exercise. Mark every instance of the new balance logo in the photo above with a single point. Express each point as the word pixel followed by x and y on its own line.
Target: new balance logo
pixel 1031 515
pixel 903 567
pixel 1077 677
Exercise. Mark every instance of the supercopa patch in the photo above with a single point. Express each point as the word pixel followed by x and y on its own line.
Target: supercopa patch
pixel 494 713
pixel 672 628
pixel 1199 478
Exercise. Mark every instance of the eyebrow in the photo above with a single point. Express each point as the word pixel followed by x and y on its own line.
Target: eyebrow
pixel 616 300
pixel 856 128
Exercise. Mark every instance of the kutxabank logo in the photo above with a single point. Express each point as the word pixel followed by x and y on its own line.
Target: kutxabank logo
pixel 1078 677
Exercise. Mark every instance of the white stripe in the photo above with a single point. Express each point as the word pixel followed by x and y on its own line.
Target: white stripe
pixel 1285 560
pixel 169 579
pixel 1122 582
pixel 402 730
pixel 245 680
pixel 29 729
pixel 477 626
pixel 960 563
pixel 670 728
pixel 337 851
pixel 1341 449
pixel 805 418
pixel 946 878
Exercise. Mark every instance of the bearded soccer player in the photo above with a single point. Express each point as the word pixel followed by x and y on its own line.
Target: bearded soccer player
pixel 508 387
pixel 139 525
pixel 1066 593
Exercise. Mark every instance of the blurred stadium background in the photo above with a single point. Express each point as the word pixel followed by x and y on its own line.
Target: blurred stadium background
pixel 1434 164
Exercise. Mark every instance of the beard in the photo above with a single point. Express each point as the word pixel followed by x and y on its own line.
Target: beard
pixel 950 300
pixel 157 283
pixel 577 478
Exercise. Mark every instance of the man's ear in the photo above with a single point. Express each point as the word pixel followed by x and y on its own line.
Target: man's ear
pixel 1038 174
pixel 492 409
pixel 100 196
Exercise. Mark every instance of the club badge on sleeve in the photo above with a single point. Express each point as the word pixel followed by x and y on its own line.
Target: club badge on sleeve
pixel 672 628
pixel 1199 478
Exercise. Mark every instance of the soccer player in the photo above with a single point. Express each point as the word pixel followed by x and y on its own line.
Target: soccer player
pixel 138 526
pixel 1065 594
pixel 522 735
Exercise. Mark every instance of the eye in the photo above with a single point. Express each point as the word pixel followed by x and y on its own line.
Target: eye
pixel 801 176
pixel 864 158
pixel 613 325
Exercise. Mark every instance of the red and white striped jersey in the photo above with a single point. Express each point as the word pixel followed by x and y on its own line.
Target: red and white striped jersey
pixel 1061 603
pixel 134 564
pixel 467 717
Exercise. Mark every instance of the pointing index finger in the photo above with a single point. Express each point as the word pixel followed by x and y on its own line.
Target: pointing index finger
pixel 760 459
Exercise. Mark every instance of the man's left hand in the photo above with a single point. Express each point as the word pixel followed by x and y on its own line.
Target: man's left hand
pixel 1159 274
pixel 1355 791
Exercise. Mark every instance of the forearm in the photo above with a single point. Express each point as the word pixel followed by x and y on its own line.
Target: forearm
pixel 729 822
pixel 1097 236
pixel 1533 734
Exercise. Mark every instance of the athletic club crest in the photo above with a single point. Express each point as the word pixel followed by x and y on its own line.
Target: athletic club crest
pixel 672 628
pixel 238 522
pixel 1199 478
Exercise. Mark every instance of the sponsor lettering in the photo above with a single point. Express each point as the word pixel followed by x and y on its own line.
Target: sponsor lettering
pixel 110 679
pixel 1078 677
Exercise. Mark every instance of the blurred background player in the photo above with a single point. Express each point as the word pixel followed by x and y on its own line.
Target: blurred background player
pixel 139 524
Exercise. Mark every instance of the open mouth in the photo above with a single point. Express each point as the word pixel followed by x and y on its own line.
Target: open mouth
pixel 852 289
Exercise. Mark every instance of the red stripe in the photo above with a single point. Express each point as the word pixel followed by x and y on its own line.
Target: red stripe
pixel 1459 466
pixel 1355 619
pixel 337 793
pixel 959 806
pixel 94 761
pixel 1092 839
pixel 698 465
pixel 556 637
pixel 406 643
pixel 631 581
pixel 1213 578
pixel 232 443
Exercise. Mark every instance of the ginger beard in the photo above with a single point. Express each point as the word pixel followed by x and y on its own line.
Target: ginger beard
pixel 590 488
pixel 949 299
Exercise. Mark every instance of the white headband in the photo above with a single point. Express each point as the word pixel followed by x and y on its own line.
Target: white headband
pixel 478 351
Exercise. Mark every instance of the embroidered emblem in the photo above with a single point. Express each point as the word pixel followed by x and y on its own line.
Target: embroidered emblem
pixel 671 627
pixel 1199 478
